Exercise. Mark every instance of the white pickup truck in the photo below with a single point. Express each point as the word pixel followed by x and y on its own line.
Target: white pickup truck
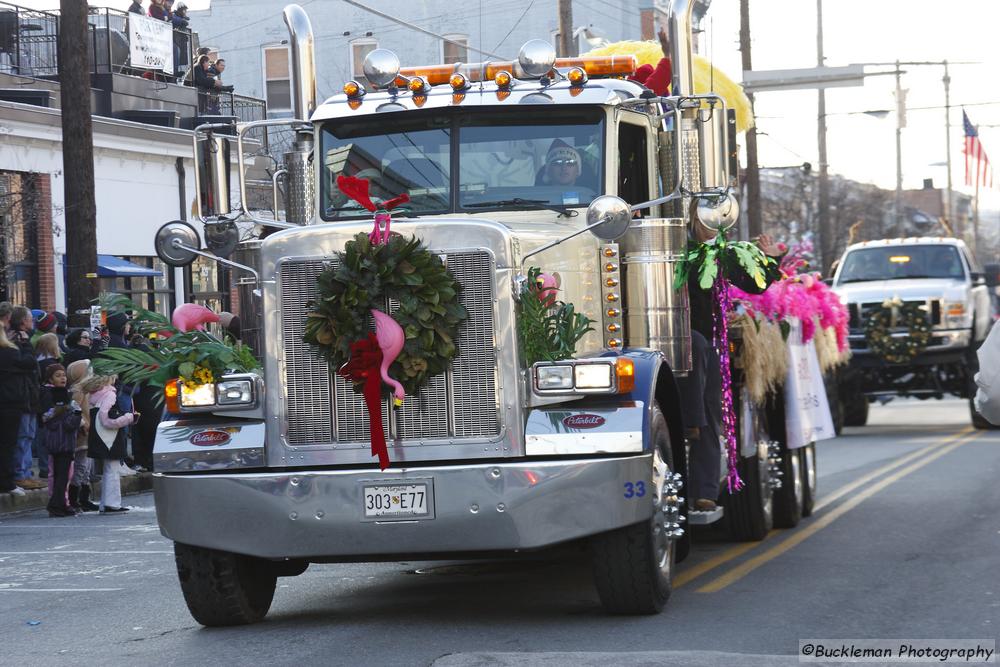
pixel 941 277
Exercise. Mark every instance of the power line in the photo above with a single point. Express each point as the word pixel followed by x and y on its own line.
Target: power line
pixel 516 23
pixel 252 23
pixel 413 26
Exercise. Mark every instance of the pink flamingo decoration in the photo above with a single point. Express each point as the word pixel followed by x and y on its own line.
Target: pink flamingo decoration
pixel 190 316
pixel 548 285
pixel 390 338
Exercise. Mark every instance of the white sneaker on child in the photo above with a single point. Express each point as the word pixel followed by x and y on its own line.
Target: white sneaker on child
pixel 17 491
pixel 124 470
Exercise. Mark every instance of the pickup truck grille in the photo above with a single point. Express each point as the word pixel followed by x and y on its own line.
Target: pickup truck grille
pixel 461 403
pixel 859 312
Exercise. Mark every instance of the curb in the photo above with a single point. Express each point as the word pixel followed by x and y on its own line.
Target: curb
pixel 39 498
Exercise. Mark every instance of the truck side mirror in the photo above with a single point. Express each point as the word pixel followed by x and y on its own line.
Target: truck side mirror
pixel 608 217
pixel 174 242
pixel 978 278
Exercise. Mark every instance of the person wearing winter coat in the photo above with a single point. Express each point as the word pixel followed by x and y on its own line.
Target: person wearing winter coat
pixel 21 324
pixel 16 362
pixel 78 346
pixel 106 440
pixel 987 400
pixel 47 353
pixel 79 486
pixel 61 419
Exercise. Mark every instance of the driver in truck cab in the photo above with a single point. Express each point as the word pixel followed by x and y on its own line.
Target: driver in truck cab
pixel 562 164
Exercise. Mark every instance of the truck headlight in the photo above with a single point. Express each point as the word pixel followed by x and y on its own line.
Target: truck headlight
pixel 602 375
pixel 955 315
pixel 548 378
pixel 235 392
pixel 200 396
pixel 230 392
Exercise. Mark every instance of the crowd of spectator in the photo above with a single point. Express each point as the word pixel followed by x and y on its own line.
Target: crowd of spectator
pixel 54 410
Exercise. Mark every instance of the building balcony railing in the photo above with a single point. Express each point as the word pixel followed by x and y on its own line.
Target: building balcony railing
pixel 29 47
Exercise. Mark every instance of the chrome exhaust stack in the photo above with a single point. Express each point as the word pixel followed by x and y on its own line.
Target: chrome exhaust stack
pixel 300 174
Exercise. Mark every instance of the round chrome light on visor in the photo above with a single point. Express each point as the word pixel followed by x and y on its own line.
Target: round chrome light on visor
pixel 381 67
pixel 536 57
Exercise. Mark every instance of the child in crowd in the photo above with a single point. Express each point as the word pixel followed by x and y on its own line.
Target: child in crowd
pixel 106 441
pixel 47 352
pixel 60 424
pixel 79 487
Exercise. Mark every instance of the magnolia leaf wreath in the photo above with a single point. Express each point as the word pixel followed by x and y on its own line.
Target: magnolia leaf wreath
pixel 894 313
pixel 718 263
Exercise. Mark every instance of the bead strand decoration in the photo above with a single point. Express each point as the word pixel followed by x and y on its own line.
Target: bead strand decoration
pixel 720 338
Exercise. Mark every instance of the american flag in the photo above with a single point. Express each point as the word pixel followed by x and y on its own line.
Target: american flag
pixel 976 161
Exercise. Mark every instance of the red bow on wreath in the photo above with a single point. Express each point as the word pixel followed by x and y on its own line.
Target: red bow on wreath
pixel 363 366
pixel 357 189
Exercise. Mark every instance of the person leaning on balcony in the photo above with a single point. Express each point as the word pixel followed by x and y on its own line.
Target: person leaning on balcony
pixel 136 7
pixel 205 83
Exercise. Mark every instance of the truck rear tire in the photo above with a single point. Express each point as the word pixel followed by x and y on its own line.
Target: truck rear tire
pixel 222 588
pixel 633 566
pixel 788 499
pixel 855 410
pixel 750 510
pixel 807 457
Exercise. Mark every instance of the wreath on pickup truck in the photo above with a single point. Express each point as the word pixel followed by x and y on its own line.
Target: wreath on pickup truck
pixel 894 314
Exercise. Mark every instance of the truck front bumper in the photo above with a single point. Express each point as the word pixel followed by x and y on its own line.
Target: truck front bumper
pixel 483 507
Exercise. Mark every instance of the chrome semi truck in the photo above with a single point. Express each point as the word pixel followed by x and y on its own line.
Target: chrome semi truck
pixel 494 456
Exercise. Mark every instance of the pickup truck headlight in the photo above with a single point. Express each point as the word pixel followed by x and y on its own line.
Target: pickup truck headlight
pixel 603 375
pixel 955 315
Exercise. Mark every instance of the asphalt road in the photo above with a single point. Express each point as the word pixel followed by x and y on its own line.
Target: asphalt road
pixel 903 545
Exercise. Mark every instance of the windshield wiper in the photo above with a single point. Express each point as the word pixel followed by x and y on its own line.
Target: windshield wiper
pixel 525 203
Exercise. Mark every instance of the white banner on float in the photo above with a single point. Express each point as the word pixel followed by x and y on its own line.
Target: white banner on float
pixel 807 412
pixel 150 43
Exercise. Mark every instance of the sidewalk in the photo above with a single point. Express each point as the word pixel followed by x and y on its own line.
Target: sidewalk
pixel 39 498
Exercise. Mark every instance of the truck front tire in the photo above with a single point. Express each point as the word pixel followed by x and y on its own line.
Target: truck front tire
pixel 222 588
pixel 789 498
pixel 633 566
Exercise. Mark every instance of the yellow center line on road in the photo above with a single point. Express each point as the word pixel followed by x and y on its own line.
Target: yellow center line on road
pixel 902 460
pixel 801 535
pixel 738 550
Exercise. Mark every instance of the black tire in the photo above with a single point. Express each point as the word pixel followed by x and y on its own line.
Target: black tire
pixel 788 499
pixel 807 459
pixel 633 566
pixel 222 588
pixel 750 511
pixel 855 409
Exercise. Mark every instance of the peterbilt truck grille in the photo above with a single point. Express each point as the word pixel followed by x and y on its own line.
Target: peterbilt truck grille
pixel 459 404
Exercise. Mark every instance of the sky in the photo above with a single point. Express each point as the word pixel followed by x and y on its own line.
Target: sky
pixel 860 147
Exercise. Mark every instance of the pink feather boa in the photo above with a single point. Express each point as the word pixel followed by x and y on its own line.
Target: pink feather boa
pixel 804 297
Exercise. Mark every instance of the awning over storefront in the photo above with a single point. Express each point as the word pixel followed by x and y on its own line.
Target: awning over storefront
pixel 109 266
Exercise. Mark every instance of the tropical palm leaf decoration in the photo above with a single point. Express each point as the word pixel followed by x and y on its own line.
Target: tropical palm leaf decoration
pixel 196 357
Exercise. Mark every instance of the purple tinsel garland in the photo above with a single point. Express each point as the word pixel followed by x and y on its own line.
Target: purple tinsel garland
pixel 720 338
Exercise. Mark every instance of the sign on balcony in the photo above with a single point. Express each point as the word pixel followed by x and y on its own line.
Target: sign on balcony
pixel 151 43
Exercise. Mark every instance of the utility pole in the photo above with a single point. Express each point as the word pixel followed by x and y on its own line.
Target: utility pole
pixel 566 46
pixel 947 134
pixel 752 172
pixel 78 161
pixel 823 212
pixel 897 205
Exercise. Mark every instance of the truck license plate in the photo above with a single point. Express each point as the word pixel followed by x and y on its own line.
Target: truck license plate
pixel 396 501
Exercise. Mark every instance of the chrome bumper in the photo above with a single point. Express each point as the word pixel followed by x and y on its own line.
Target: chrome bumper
pixel 483 507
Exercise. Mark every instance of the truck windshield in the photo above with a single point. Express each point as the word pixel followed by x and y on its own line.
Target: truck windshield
pixel 902 262
pixel 529 159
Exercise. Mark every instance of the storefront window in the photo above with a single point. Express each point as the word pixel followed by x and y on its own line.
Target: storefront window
pixel 150 292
